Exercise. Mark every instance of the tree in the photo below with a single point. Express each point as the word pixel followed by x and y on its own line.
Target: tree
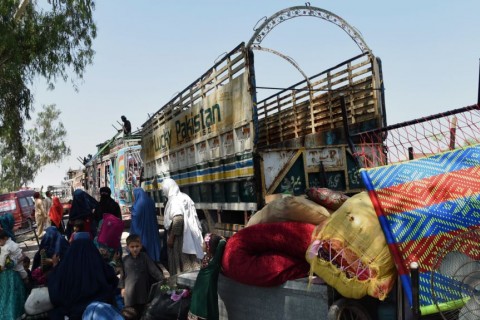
pixel 45 41
pixel 44 144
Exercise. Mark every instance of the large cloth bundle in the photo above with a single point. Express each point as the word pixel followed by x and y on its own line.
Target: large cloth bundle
pixel 111 230
pixel 290 208
pixel 328 198
pixel 349 251
pixel 422 205
pixel 268 254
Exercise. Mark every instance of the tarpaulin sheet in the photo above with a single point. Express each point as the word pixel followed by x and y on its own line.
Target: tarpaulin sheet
pixel 422 205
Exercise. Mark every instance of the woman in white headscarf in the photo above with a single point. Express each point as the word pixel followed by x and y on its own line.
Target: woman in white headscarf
pixel 184 232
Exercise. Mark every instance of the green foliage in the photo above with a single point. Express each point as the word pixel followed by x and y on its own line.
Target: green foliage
pixel 43 144
pixel 47 138
pixel 46 40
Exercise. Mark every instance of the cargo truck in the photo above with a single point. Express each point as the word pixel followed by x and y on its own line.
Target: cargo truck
pixel 231 153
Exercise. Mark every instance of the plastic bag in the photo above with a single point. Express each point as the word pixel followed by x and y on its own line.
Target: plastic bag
pixel 163 307
pixel 38 301
pixel 350 252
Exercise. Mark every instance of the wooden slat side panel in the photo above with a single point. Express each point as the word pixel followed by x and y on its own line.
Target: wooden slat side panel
pixel 289 113
pixel 218 75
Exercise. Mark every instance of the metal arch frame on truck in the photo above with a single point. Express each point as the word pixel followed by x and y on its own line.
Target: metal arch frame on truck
pixel 306 11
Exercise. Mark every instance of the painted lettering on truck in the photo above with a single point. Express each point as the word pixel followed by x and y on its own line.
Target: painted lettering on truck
pixel 189 126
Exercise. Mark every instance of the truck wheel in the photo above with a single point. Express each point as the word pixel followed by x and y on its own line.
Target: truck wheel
pixel 346 309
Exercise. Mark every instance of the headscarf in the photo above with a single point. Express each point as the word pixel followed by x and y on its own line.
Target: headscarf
pixel 144 223
pixel 7 221
pixel 180 204
pixel 101 310
pixel 170 190
pixel 208 257
pixel 107 205
pixel 80 278
pixel 82 208
pixel 105 191
pixel 53 242
pixel 81 235
pixel 82 205
pixel 56 212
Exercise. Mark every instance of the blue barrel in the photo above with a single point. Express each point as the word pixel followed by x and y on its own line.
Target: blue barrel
pixel 218 192
pixel 247 191
pixel 232 191
pixel 194 193
pixel 206 192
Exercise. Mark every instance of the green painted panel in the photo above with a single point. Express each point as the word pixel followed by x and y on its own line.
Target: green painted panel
pixel 354 178
pixel 294 181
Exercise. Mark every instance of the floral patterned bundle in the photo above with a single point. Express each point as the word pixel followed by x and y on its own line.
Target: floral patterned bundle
pixel 326 197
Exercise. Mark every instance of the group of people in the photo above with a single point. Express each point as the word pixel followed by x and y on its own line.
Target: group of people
pixel 84 264
pixel 48 211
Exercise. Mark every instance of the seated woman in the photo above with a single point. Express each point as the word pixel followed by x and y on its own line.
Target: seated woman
pixel 12 289
pixel 7 222
pixel 80 278
pixel 53 242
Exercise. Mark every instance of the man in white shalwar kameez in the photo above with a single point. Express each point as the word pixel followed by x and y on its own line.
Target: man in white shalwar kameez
pixel 184 232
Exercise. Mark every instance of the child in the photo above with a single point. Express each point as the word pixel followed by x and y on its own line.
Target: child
pixel 78 226
pixel 204 303
pixel 11 250
pixel 26 267
pixel 138 269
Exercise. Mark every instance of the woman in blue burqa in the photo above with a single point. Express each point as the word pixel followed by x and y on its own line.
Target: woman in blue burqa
pixel 12 289
pixel 7 221
pixel 144 223
pixel 83 207
pixel 80 278
pixel 53 243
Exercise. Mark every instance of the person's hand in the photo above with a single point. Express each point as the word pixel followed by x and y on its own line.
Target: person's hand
pixel 116 256
pixel 55 259
pixel 122 292
pixel 47 262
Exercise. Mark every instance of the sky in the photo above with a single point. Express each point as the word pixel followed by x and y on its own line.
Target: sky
pixel 149 50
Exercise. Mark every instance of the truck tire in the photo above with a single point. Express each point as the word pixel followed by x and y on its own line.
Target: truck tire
pixel 347 309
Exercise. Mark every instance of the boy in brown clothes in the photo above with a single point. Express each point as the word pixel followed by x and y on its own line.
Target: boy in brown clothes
pixel 138 269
